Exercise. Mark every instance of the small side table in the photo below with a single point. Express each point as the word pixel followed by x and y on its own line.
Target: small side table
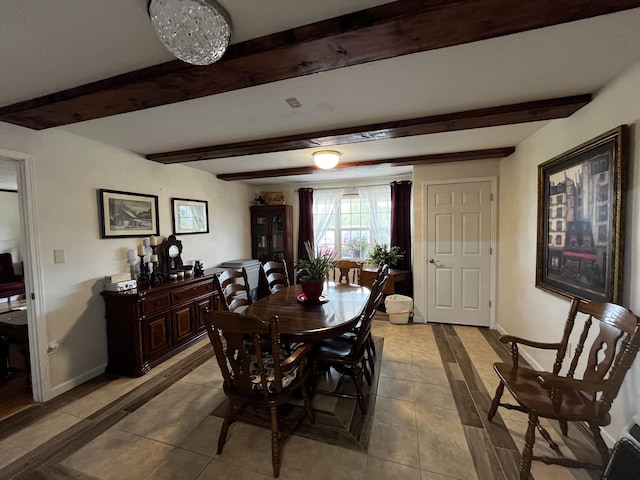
pixel 396 283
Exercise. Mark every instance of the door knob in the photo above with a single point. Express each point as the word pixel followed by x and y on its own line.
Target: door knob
pixel 432 261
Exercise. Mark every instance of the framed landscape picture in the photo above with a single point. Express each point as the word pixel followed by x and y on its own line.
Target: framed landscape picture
pixel 581 218
pixel 190 216
pixel 126 214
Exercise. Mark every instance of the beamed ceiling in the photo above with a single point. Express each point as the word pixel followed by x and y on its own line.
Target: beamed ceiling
pixel 390 85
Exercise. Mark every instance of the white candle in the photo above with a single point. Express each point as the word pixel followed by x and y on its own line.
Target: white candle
pixel 140 249
pixel 153 241
pixel 154 258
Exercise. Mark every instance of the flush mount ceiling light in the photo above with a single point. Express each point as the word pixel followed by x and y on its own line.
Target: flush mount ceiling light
pixel 195 31
pixel 326 158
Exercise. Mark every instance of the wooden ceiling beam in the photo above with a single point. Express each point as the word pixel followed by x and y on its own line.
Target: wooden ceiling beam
pixel 395 162
pixel 397 28
pixel 480 118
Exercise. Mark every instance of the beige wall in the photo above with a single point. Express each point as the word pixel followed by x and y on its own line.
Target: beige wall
pixel 68 172
pixel 524 310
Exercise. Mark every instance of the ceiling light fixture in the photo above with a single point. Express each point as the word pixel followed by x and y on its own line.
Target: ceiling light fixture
pixel 326 159
pixel 195 31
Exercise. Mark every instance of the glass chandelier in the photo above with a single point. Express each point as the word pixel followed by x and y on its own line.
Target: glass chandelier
pixel 195 31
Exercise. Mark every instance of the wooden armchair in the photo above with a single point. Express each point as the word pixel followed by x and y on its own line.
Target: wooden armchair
pixel 10 283
pixel 565 396
pixel 233 289
pixel 255 378
pixel 346 271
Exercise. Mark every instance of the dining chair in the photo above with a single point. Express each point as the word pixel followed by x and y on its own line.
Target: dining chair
pixel 233 289
pixel 258 379
pixel 569 396
pixel 275 275
pixel 379 282
pixel 346 271
pixel 347 352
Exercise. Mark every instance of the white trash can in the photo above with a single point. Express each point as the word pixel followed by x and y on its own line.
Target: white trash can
pixel 399 307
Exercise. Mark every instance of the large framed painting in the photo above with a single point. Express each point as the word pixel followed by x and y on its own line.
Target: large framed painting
pixel 126 214
pixel 581 219
pixel 190 216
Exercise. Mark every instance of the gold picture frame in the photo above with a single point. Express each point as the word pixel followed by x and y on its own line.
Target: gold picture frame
pixel 581 219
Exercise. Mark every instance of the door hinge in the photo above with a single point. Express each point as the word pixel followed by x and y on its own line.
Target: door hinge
pixel 490 250
pixel 491 197
pixel 33 296
pixel 489 303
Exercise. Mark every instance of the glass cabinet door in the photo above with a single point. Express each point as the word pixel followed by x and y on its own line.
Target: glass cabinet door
pixel 262 238
pixel 277 237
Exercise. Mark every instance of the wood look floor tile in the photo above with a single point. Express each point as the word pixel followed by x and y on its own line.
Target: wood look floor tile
pixel 484 456
pixel 465 405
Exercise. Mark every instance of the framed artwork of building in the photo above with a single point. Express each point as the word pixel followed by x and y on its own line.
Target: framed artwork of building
pixel 581 219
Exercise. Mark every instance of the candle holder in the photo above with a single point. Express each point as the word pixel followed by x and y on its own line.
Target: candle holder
pixel 144 280
pixel 198 268
pixel 156 276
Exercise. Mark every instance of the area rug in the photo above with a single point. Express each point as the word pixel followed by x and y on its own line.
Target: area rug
pixel 338 420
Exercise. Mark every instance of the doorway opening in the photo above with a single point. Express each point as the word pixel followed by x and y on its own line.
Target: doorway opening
pixel 22 317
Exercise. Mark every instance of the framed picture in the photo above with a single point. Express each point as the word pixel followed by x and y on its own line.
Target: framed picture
pixel 581 219
pixel 126 214
pixel 190 216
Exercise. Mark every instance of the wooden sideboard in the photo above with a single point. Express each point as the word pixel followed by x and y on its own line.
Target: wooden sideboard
pixel 147 326
pixel 396 283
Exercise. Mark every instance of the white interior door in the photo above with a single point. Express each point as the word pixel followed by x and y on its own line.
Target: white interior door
pixel 459 253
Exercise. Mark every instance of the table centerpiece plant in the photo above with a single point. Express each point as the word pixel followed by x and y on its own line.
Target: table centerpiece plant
pixel 313 271
pixel 381 254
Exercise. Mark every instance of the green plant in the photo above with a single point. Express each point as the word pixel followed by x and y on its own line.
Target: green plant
pixel 318 265
pixel 381 254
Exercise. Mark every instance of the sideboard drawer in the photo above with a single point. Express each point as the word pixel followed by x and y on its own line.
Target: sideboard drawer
pixel 189 293
pixel 155 304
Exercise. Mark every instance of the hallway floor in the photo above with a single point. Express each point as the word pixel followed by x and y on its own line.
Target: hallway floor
pixel 429 423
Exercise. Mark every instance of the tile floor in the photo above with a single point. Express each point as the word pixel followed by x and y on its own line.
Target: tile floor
pixel 429 423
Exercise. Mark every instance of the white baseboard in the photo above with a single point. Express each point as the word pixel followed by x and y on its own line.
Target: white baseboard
pixel 79 380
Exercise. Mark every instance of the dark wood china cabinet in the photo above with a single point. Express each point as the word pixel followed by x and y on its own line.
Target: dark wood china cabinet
pixel 272 234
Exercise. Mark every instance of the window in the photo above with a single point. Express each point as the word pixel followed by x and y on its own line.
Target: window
pixel 351 229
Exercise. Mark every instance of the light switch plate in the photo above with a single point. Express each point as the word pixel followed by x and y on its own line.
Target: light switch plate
pixel 59 256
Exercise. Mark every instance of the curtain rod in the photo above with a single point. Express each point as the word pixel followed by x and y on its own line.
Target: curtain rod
pixel 354 186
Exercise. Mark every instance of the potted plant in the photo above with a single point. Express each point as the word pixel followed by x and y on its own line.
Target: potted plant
pixel 381 254
pixel 313 270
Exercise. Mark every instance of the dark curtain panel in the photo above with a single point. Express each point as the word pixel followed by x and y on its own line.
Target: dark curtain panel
pixel 305 224
pixel 401 221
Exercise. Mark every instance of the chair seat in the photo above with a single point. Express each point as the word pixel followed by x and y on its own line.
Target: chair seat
pixel 256 377
pixel 337 348
pixel 523 385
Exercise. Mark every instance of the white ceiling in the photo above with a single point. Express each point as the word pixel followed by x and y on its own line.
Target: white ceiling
pixel 51 45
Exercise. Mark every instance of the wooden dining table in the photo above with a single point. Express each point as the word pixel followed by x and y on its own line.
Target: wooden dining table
pixel 312 321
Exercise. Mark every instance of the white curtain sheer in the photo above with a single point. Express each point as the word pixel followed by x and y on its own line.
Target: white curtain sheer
pixel 325 204
pixel 377 201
